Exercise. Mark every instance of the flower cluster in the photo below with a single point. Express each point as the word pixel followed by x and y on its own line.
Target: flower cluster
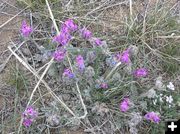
pixel 29 116
pixel 85 33
pixel 171 86
pixel 104 85
pixel 141 72
pixel 68 73
pixel 169 99
pixel 124 57
pixel 80 62
pixel 165 99
pixel 25 29
pixel 63 39
pixel 98 42
pixel 69 26
pixel 64 36
pixel 59 55
pixel 152 116
pixel 124 105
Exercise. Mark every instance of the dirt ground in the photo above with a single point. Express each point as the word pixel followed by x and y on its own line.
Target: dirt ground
pixel 8 31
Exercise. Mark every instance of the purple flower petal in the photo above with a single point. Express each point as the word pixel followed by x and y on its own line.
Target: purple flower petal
pixel 27 122
pixel 68 73
pixel 98 42
pixel 29 115
pixel 124 105
pixel 124 57
pixel 59 55
pixel 80 62
pixel 63 38
pixel 30 112
pixel 85 33
pixel 142 72
pixel 70 25
pixel 152 116
pixel 25 29
pixel 104 85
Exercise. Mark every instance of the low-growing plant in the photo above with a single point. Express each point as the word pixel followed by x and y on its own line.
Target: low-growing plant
pixel 103 83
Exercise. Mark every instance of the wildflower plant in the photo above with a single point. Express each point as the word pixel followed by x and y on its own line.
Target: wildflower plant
pixel 124 105
pixel 85 33
pixel 152 116
pixel 68 73
pixel 29 115
pixel 59 54
pixel 92 76
pixel 99 81
pixel 26 30
pixel 141 72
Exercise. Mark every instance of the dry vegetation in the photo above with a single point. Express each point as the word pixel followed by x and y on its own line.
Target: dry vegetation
pixel 29 76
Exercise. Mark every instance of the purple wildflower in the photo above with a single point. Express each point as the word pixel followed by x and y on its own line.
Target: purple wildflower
pixel 27 122
pixel 98 42
pixel 142 72
pixel 65 29
pixel 117 56
pixel 104 85
pixel 124 105
pixel 68 73
pixel 80 62
pixel 63 38
pixel 59 55
pixel 152 116
pixel 29 115
pixel 25 29
pixel 85 33
pixel 70 25
pixel 124 57
pixel 30 112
